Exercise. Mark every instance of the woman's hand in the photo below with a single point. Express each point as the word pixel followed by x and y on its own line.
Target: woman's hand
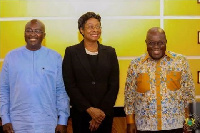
pixel 97 114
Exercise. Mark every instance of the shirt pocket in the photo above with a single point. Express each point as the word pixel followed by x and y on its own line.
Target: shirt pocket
pixel 143 83
pixel 173 80
pixel 48 71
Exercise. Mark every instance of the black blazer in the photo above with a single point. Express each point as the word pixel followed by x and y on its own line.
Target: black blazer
pixel 85 89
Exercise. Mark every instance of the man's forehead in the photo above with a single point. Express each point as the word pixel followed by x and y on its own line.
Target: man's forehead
pixel 157 36
pixel 35 24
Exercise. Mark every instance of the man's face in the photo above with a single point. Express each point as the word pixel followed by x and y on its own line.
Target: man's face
pixel 156 45
pixel 34 34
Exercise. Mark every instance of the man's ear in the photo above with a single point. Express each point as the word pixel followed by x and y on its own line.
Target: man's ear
pixel 44 35
pixel 146 42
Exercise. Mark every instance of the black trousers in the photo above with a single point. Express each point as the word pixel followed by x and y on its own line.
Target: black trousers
pixel 179 130
pixel 80 123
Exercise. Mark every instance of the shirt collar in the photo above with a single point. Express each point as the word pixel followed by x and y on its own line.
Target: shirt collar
pixel 149 57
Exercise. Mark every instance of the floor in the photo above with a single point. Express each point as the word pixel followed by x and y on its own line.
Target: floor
pixel 119 125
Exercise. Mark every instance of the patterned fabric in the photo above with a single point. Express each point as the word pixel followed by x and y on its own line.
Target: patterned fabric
pixel 158 91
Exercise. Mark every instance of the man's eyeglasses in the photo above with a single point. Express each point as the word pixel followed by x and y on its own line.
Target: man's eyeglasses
pixel 91 27
pixel 36 31
pixel 159 43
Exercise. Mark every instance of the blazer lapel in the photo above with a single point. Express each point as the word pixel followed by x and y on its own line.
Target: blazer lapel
pixel 102 58
pixel 83 58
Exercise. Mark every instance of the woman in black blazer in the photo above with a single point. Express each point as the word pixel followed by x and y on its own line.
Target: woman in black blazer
pixel 91 76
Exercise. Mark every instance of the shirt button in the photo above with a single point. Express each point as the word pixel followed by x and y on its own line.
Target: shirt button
pixel 93 83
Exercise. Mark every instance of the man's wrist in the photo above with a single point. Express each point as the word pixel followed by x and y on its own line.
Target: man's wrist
pixel 130 119
pixel 5 119
pixel 62 120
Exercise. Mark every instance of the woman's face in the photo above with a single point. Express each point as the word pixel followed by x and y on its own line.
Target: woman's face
pixel 91 30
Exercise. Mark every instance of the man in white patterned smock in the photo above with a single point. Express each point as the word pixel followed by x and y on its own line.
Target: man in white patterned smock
pixel 159 86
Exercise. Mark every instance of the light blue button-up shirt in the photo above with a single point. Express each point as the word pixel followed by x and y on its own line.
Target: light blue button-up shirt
pixel 32 92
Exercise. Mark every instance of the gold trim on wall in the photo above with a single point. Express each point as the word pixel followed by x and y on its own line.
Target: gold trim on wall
pixel 198 36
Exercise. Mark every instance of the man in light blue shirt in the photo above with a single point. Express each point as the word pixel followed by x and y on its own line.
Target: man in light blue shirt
pixel 32 93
